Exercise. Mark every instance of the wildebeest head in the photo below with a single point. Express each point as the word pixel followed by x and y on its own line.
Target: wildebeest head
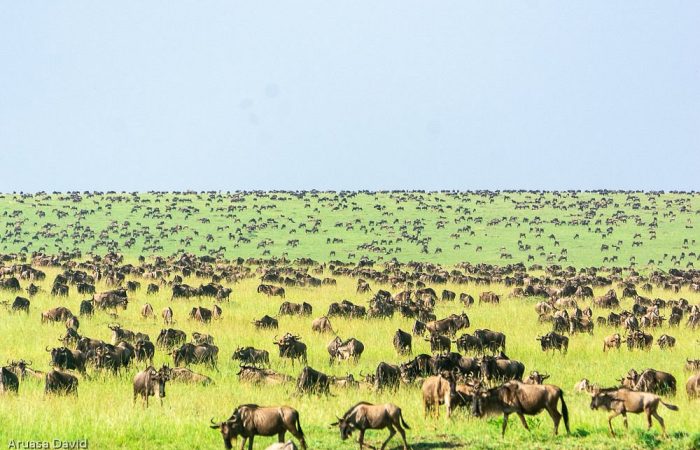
pixel 346 427
pixel 230 429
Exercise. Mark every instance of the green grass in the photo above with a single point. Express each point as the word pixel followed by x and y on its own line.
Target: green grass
pixel 103 412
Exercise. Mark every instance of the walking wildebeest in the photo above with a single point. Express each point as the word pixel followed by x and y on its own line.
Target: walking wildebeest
pixel 148 380
pixel 366 416
pixel 521 399
pixel 623 401
pixel 251 420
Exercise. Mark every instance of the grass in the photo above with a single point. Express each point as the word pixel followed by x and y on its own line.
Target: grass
pixel 103 412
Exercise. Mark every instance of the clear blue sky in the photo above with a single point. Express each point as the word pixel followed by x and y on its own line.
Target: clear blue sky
pixel 135 95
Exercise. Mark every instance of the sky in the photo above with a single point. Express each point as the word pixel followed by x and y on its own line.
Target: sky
pixel 230 95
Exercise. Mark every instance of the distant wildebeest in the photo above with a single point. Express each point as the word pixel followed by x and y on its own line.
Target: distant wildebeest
pixel 170 337
pixel 167 315
pixel 536 377
pixel 366 416
pixel 439 343
pixel 665 341
pixel 650 380
pixel 266 322
pixel 144 351
pixel 489 297
pixel 58 314
pixel 9 381
pixel 639 340
pixel 195 354
pixel 147 311
pixel 293 309
pixel 521 399
pixel 271 290
pixel 322 325
pixel 312 381
pixel 152 289
pixel 612 341
pixel 20 304
pixel 67 359
pixel 290 346
pixel 185 375
pixel 201 338
pixel 342 350
pixel 251 420
pixel 87 308
pixel 499 368
pixel 622 401
pixel 256 375
pixel 402 342
pixel 554 341
pixel 60 383
pixel 148 381
pixel 201 314
pixel 252 356
pixel 494 341
pixel 692 386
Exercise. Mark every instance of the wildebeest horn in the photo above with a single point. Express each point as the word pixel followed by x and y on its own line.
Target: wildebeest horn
pixel 47 348
pixel 28 363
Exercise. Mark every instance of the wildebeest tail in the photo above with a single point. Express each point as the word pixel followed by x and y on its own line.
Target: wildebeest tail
pixel 670 406
pixel 564 411
pixel 403 422
pixel 301 432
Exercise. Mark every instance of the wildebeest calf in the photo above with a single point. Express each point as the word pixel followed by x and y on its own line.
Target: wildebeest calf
pixel 366 416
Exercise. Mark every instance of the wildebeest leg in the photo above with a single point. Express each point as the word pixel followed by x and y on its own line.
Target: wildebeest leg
pixel 403 435
pixel 556 418
pixel 361 439
pixel 280 436
pixel 250 442
pixel 523 421
pixel 624 419
pixel 243 442
pixel 660 420
pixel 505 424
pixel 392 432
pixel 611 416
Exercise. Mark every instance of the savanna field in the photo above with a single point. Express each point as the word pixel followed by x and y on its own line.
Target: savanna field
pixel 630 237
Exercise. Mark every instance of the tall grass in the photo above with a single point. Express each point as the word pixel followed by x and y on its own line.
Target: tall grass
pixel 103 412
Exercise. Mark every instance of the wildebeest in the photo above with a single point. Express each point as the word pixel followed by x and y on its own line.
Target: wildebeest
pixel 536 377
pixel 612 341
pixel 266 322
pixel 144 351
pixel 167 315
pixel 449 325
pixel 170 337
pixel 60 383
pixel 185 375
pixel 201 314
pixel 499 368
pixel 402 342
pixel 692 386
pixel 692 365
pixel 271 290
pixel 20 304
pixel 312 381
pixel 147 381
pixel 521 399
pixel 493 340
pixel 290 346
pixel 251 420
pixel 147 311
pixel 322 325
pixel 387 376
pixel 554 341
pixel 201 338
pixel 341 350
pixel 65 358
pixel 9 382
pixel 58 314
pixel 293 309
pixel 257 375
pixel 252 356
pixel 195 354
pixel 650 380
pixel 489 297
pixel 366 416
pixel 623 401
pixel 666 341
pixel 87 308
pixel 640 340
pixel 438 390
pixel 22 370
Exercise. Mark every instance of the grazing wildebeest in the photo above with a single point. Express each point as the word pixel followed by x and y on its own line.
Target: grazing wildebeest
pixel 290 346
pixel 201 338
pixel 9 382
pixel 692 365
pixel 152 289
pixel 322 325
pixel 499 368
pixel 623 401
pixel 448 295
pixel 201 314
pixel 521 399
pixel 271 290
pixel 387 376
pixel 20 304
pixel 650 380
pixel 666 341
pixel 467 299
pixel 612 341
pixel 492 340
pixel 419 328
pixel 366 416
pixel 252 356
pixel 65 358
pixel 266 322
pixel 639 339
pixel 147 311
pixel 402 342
pixel 73 323
pixel 489 297
pixel 341 350
pixel 185 375
pixel 292 309
pixel 312 381
pixel 167 315
pixel 170 337
pixel 257 375
pixel 147 381
pixel 58 314
pixel 554 341
pixel 438 390
pixel 87 308
pixel 439 343
pixel 536 378
pixel 195 354
pixel 60 383
pixel 692 386
pixel 251 420
pixel 144 351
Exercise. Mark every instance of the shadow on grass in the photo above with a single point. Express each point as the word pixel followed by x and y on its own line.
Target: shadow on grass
pixel 431 445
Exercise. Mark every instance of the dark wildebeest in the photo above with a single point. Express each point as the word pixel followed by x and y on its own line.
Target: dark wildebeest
pixel 201 338
pixel 439 343
pixel 449 325
pixel 489 297
pixel 250 355
pixel 20 304
pixel 70 338
pixel 612 341
pixel 467 299
pixel 121 334
pixel 521 399
pixel 339 350
pixel 448 295
pixel 467 342
pixel 147 381
pixel 73 323
pixel 692 365
pixel 87 308
pixel 185 375
pixel 60 383
pixel 22 370
pixel 201 314
pixel 147 311
pixel 692 386
pixel 312 381
pixel 492 340
pixel 271 290
pixel 650 380
pixel 438 390
pixel 152 289
pixel 250 420
pixel 167 315
pixel 640 340
pixel 623 401
pixel 9 382
pixel 144 351
pixel 554 341
pixel 266 322
pixel 498 368
pixel 366 416
pixel 387 376
pixel 257 375
pixel 58 314
pixel 536 378
pixel 195 354
pixel 170 337
pixel 322 325
pixel 402 342
pixel 417 367
pixel 666 341
pixel 293 309
pixel 67 359
pixel 290 346
pixel 418 328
